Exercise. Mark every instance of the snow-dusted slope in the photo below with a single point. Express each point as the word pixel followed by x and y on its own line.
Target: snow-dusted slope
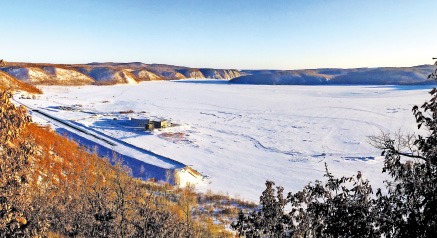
pixel 49 75
pixel 242 135
pixel 145 75
pixel 357 76
pixel 221 74
pixel 7 82
pixel 67 76
pixel 29 74
pixel 108 75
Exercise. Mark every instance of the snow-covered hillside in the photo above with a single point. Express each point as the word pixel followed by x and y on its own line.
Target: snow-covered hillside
pixel 49 75
pixel 242 135
pixel 336 76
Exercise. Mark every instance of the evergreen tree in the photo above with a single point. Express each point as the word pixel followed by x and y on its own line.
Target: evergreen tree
pixel 345 207
pixel 270 220
pixel 410 207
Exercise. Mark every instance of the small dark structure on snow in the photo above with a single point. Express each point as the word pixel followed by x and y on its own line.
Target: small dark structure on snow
pixel 151 125
pixel 161 124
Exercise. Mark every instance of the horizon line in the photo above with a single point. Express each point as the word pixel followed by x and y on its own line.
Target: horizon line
pixel 241 69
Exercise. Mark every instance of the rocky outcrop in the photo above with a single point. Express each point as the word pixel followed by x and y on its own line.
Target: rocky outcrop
pixel 191 73
pixel 221 73
pixel 195 74
pixel 173 75
pixel 170 72
pixel 225 74
pixel 145 75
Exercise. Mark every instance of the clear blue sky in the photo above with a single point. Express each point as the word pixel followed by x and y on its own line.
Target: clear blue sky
pixel 252 34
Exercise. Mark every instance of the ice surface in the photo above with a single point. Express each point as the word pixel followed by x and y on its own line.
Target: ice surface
pixel 242 135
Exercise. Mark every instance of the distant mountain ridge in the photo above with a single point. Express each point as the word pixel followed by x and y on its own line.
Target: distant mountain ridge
pixel 335 76
pixel 109 73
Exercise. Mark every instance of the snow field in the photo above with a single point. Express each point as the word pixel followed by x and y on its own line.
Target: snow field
pixel 239 136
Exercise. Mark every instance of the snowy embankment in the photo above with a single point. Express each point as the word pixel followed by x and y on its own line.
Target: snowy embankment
pixel 242 135
pixel 143 163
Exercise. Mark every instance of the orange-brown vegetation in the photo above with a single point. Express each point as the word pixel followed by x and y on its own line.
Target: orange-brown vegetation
pixel 7 82
pixel 50 186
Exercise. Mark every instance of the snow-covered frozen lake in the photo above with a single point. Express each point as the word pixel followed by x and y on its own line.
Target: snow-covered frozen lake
pixel 242 135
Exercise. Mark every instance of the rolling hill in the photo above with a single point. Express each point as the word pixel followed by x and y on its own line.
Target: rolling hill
pixel 110 73
pixel 357 76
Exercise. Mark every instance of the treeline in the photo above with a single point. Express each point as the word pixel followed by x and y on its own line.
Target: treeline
pixel 347 207
pixel 50 187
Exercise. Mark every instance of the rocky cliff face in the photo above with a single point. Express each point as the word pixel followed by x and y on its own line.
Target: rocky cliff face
pixel 221 73
pixel 225 74
pixel 145 75
pixel 191 73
